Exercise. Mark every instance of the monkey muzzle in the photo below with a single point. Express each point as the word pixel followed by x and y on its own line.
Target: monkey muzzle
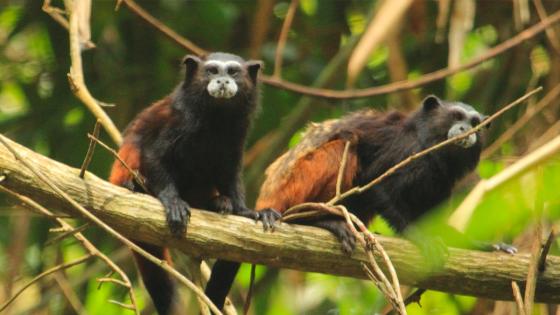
pixel 459 129
pixel 222 87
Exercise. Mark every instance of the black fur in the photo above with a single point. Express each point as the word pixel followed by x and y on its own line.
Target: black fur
pixel 418 187
pixel 190 148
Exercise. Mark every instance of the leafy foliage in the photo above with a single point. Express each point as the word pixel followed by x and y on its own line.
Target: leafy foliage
pixel 134 65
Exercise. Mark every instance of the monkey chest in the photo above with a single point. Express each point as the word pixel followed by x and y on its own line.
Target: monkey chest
pixel 206 159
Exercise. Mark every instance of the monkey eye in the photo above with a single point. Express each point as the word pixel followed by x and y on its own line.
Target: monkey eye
pixel 233 71
pixel 475 121
pixel 212 70
pixel 458 115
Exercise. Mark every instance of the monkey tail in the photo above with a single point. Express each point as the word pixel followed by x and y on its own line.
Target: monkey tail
pixel 221 281
pixel 158 282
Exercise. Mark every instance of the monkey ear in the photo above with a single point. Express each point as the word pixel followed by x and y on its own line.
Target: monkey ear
pixel 191 63
pixel 253 67
pixel 430 103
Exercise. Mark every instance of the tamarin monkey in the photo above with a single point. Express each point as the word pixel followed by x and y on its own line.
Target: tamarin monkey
pixel 188 148
pixel 308 172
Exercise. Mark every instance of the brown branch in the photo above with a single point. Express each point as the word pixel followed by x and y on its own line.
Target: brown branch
pixel 76 76
pixel 533 270
pixel 69 293
pixel 518 298
pixel 91 149
pixel 66 232
pixel 342 168
pixel 425 79
pixel 550 32
pixel 368 92
pixel 392 290
pixel 164 29
pixel 82 211
pixel 550 98
pixel 412 298
pixel 34 206
pixel 545 250
pixel 278 58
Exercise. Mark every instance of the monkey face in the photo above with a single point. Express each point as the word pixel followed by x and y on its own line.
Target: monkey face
pixel 464 118
pixel 222 75
pixel 453 119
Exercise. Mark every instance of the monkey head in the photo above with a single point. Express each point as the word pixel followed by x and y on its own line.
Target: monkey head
pixel 221 75
pixel 444 120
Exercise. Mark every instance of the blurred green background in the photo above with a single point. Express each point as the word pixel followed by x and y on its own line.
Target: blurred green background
pixel 133 65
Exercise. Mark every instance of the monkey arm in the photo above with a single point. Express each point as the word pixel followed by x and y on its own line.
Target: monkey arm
pixel 162 184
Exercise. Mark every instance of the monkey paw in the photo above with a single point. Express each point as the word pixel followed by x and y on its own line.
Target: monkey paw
pixel 268 217
pixel 341 231
pixel 178 214
pixel 506 248
pixel 222 204
pixel 347 240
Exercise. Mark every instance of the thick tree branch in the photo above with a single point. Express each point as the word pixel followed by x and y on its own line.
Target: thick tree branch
pixel 234 238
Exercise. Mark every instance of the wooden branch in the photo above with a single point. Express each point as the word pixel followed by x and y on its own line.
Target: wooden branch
pixel 76 76
pixel 234 238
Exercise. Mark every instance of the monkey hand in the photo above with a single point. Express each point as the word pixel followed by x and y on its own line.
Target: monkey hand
pixel 177 213
pixel 342 232
pixel 506 248
pixel 268 216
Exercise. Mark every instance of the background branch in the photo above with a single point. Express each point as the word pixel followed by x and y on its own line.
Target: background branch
pixel 367 92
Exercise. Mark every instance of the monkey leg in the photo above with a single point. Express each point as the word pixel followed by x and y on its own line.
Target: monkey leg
pixel 221 280
pixel 158 282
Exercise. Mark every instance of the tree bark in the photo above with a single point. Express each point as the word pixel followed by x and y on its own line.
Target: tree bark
pixel 141 217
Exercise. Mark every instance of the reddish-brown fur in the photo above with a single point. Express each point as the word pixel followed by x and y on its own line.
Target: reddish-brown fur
pixel 312 178
pixel 146 122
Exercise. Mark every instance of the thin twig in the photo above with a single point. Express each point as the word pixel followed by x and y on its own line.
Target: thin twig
pixel 91 149
pixel 518 298
pixel 164 29
pixel 67 233
pixel 342 169
pixel 76 76
pixel 125 306
pixel 44 274
pixel 423 80
pixel 137 176
pixel 410 159
pixel 546 249
pixel 31 204
pixel 69 293
pixel 533 270
pixel 278 59
pixel 83 211
pixel 394 290
pixel 249 296
pixel 550 98
pixel 412 298
pixel 550 32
